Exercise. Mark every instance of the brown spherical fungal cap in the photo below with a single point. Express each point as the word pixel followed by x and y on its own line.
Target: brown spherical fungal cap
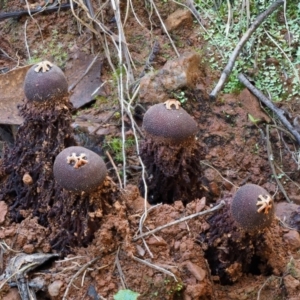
pixel 252 207
pixel 44 81
pixel 168 120
pixel 78 169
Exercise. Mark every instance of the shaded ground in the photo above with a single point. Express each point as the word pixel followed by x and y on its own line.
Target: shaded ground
pixel 235 152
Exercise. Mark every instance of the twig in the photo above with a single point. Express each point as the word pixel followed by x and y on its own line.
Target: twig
pixel 210 166
pixel 145 262
pixel 221 204
pixel 154 51
pixel 164 28
pixel 25 38
pixel 227 70
pixel 82 269
pixel 115 167
pixel 268 279
pixel 122 277
pixel 270 159
pixel 18 14
pixel 279 112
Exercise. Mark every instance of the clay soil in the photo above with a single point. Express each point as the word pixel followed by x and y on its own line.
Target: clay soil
pixel 172 263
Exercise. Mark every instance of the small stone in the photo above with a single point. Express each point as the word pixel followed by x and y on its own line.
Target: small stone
pixel 13 294
pixel 179 19
pixel 291 284
pixel 197 271
pixel 214 188
pixel 3 211
pixel 293 239
pixel 184 71
pixel 54 288
pixel 29 248
pixel 156 241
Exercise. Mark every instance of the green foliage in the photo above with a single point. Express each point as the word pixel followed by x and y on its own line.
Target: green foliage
pixel 180 96
pixel 114 144
pixel 53 50
pixel 126 295
pixel 267 57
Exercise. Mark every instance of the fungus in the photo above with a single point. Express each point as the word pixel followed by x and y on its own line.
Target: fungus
pixel 44 82
pixel 243 237
pixel 171 154
pixel 78 169
pixel 252 207
pixel 70 216
pixel 45 131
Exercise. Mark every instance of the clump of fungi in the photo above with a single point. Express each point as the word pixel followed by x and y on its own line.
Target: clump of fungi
pixel 243 236
pixel 45 131
pixel 29 186
pixel 171 154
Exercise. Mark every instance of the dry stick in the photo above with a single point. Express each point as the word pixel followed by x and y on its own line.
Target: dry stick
pixel 221 204
pixel 147 263
pixel 270 158
pixel 115 168
pixel 227 70
pixel 118 265
pixel 279 112
pixel 82 269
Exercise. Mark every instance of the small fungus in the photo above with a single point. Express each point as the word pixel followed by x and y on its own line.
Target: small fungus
pixel 252 207
pixel 243 236
pixel 78 169
pixel 171 153
pixel 45 81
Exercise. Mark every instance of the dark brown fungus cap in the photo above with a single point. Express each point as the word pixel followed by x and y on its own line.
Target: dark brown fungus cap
pixel 168 120
pixel 44 81
pixel 78 169
pixel 252 207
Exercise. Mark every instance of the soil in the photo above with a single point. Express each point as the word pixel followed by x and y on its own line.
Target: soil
pixel 194 259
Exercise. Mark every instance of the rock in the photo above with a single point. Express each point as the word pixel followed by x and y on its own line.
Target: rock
pixel 284 210
pixel 292 238
pixel 195 270
pixel 195 291
pixel 28 249
pixel 3 211
pixel 54 288
pixel 252 106
pixel 179 19
pixel 156 241
pixel 291 284
pixel 13 294
pixel 176 74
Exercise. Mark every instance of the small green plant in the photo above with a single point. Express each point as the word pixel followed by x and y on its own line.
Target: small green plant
pixel 267 57
pixel 126 295
pixel 53 50
pixel 115 145
pixel 180 96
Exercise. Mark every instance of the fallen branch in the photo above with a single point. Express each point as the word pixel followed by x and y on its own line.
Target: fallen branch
pixel 279 112
pixel 227 70
pixel 221 204
pixel 18 14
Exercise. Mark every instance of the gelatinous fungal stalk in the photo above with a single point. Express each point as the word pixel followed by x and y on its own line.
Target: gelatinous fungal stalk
pixel 171 154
